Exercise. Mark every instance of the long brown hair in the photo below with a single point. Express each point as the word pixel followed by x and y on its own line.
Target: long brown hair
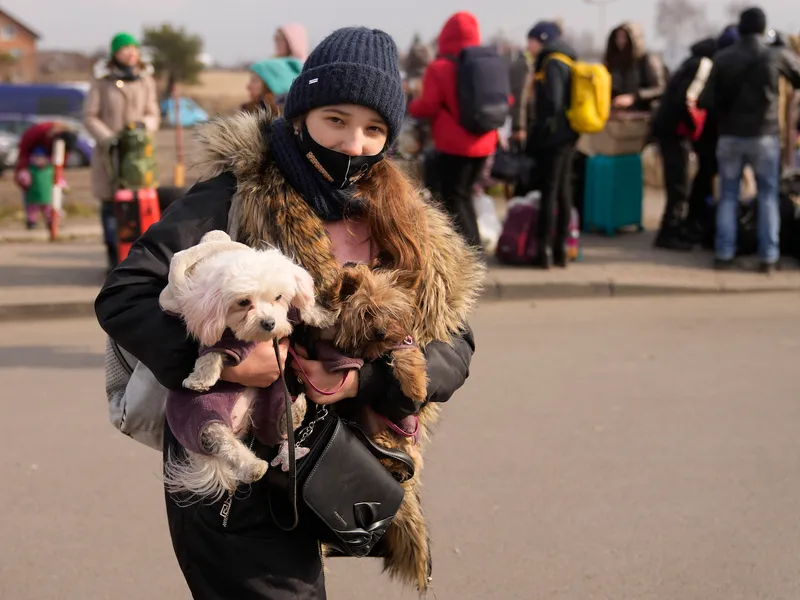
pixel 616 58
pixel 395 212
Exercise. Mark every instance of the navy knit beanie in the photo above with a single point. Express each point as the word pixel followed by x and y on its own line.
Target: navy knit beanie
pixel 353 65
pixel 544 31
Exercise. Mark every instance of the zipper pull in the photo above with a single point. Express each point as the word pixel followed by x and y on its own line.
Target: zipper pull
pixel 226 509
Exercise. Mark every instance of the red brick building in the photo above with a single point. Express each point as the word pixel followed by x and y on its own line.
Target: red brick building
pixel 17 50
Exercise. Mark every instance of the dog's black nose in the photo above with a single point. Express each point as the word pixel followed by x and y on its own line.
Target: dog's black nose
pixel 380 334
pixel 268 324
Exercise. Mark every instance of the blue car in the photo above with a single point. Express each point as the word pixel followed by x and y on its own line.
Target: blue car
pixel 82 155
pixel 43 99
pixel 190 112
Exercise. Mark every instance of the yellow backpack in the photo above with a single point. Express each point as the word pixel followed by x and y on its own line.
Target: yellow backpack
pixel 591 94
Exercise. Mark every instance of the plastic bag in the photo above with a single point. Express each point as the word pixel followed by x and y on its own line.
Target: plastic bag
pixel 489 224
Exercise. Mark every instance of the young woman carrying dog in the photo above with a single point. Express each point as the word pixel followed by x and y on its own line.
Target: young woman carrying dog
pixel 316 185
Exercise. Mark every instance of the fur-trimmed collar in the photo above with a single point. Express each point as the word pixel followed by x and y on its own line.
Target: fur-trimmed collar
pixel 103 68
pixel 265 210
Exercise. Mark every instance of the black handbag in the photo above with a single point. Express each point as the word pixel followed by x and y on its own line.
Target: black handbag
pixel 339 489
pixel 514 167
pixel 511 165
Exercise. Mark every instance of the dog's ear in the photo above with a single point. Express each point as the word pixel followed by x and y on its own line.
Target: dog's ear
pixel 304 288
pixel 216 235
pixel 349 283
pixel 407 279
pixel 184 261
pixel 204 315
pixel 168 301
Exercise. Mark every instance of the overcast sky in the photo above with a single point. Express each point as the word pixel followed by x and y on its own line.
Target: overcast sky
pixel 241 30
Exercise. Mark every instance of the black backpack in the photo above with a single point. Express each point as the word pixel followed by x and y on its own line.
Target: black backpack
pixel 483 86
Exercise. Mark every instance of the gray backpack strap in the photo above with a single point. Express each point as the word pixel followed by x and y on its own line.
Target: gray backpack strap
pixel 136 400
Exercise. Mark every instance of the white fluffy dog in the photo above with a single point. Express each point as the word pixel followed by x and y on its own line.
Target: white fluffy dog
pixel 230 297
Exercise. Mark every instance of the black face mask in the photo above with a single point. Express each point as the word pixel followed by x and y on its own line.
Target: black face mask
pixel 339 170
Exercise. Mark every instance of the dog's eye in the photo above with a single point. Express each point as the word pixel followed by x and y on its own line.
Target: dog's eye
pixel 244 302
pixel 278 298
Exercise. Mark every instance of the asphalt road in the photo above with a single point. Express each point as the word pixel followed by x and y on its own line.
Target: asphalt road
pixel 602 449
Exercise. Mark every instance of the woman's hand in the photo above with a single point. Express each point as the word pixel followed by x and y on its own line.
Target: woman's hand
pixel 323 379
pixel 624 101
pixel 260 368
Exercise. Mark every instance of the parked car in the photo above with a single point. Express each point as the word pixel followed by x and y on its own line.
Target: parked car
pixel 190 112
pixel 17 123
pixel 44 99
pixel 9 150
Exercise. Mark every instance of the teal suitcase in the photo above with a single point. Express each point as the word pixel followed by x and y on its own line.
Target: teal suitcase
pixel 613 194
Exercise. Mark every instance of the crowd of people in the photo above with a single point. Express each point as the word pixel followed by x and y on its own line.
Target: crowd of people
pixel 738 125
pixel 722 103
pixel 315 184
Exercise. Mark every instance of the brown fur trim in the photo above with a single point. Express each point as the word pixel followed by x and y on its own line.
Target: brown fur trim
pixel 407 541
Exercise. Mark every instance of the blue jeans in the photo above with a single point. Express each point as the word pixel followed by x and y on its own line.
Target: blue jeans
pixel 764 155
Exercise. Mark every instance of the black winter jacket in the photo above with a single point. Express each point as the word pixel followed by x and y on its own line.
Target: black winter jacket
pixel 672 109
pixel 742 89
pixel 128 308
pixel 552 98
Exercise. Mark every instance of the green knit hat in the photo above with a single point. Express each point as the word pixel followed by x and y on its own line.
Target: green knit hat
pixel 121 40
pixel 278 73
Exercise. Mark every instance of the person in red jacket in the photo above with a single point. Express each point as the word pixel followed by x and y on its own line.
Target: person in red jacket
pixel 41 135
pixel 460 155
pixel 38 138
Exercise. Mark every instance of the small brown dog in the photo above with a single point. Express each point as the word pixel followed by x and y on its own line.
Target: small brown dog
pixel 376 312
pixel 375 316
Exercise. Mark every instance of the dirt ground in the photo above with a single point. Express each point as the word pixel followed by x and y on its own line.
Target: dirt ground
pixel 219 92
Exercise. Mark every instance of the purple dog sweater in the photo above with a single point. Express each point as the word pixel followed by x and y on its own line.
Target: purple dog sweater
pixel 190 412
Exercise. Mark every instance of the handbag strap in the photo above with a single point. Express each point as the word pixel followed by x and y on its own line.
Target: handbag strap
pixel 292 487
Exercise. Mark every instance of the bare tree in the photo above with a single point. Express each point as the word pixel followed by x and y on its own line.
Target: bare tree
pixel 677 20
pixel 736 7
pixel 584 43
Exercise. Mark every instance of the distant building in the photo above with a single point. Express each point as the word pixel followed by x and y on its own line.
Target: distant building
pixel 17 50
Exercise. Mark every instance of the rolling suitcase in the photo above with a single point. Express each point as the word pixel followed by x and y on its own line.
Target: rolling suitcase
pixel 614 193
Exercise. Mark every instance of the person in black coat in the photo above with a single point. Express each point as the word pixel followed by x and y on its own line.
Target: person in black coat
pixel 673 127
pixel 700 218
pixel 551 141
pixel 307 184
